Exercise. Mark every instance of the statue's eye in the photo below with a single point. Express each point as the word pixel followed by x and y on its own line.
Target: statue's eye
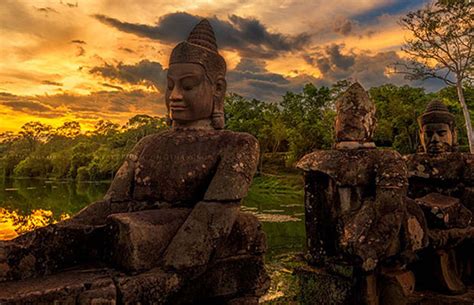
pixel 189 83
pixel 442 133
pixel 429 134
pixel 170 84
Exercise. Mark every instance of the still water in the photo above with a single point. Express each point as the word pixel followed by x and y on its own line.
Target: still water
pixel 26 204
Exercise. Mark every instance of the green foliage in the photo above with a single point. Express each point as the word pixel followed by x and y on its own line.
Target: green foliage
pixel 33 166
pixel 300 123
pixel 309 119
pixel 39 150
pixel 398 109
pixel 288 129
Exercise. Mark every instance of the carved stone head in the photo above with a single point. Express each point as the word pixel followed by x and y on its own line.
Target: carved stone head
pixel 196 79
pixel 355 120
pixel 437 129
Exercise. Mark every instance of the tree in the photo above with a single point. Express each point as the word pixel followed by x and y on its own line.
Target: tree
pixel 398 109
pixel 35 132
pixel 105 128
pixel 309 119
pixel 441 47
pixel 69 129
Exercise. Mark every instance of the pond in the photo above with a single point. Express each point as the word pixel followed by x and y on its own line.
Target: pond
pixel 26 204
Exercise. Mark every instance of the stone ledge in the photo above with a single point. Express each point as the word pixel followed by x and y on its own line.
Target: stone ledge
pixel 78 286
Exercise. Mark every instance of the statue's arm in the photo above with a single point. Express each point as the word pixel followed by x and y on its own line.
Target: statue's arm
pixel 212 219
pixel 119 196
pixel 205 227
pixel 382 236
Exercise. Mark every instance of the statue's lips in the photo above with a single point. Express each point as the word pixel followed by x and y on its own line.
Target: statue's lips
pixel 178 106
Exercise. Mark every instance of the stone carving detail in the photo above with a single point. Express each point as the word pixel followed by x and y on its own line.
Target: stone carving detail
pixel 355 204
pixel 441 181
pixel 169 229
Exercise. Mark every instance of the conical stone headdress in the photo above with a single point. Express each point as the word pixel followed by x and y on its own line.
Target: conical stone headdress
pixel 201 48
pixel 436 112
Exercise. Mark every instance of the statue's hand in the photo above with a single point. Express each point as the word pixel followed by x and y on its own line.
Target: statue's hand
pixel 193 245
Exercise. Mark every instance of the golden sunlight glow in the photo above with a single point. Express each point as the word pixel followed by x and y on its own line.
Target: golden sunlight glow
pixel 388 40
pixel 49 49
pixel 12 224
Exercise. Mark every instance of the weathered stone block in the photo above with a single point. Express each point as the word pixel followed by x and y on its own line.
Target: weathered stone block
pixel 246 237
pixel 80 286
pixel 139 239
pixel 444 212
pixel 225 280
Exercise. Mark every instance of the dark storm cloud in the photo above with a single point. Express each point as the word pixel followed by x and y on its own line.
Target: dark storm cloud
pixel 331 59
pixel 248 36
pixel 103 104
pixel 371 69
pixel 343 27
pixel 254 70
pixel 145 71
pixel 251 79
pixel 26 106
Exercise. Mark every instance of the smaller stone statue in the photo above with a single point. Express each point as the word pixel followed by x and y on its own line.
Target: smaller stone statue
pixel 441 181
pixel 355 204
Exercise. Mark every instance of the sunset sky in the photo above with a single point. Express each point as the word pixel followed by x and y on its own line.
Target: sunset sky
pixel 83 60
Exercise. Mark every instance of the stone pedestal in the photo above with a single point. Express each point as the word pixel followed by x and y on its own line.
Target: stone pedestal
pixel 87 285
pixel 235 275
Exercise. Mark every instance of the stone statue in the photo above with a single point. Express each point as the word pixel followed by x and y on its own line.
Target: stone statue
pixel 355 203
pixel 441 180
pixel 170 221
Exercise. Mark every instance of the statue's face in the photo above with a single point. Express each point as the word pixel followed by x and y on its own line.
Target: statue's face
pixel 437 138
pixel 189 94
pixel 354 127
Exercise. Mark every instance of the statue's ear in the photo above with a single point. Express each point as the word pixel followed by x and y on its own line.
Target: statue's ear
pixel 220 87
pixel 454 134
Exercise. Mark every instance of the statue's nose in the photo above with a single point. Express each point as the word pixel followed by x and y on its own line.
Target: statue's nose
pixel 435 137
pixel 176 94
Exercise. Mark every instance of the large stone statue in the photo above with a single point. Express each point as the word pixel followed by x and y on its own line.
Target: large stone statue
pixel 170 221
pixel 355 204
pixel 441 180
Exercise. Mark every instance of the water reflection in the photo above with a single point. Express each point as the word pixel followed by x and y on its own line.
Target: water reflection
pixel 26 204
pixel 13 224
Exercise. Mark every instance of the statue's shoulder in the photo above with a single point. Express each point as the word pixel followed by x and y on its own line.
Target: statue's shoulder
pixel 320 160
pixel 389 154
pixel 238 140
pixel 155 137
pixel 324 160
pixel 389 158
pixel 438 166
